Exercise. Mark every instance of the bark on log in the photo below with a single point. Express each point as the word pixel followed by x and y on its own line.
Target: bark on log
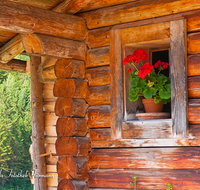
pixel 98 76
pixel 98 57
pixel 193 65
pixel 171 158
pixel 98 37
pixel 39 164
pixel 14 65
pixel 135 11
pixel 73 168
pixel 98 116
pixel 79 146
pixel 71 127
pixel 44 45
pixel 70 88
pixel 68 68
pixel 40 21
pixel 98 95
pixel 48 92
pixel 70 107
pixel 11 49
pixel 67 184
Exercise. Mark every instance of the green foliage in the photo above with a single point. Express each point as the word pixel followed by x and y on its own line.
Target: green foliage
pixel 15 129
pixel 169 186
pixel 22 57
pixel 154 85
pixel 134 181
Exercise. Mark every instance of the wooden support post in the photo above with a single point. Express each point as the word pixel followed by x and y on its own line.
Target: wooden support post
pixel 39 163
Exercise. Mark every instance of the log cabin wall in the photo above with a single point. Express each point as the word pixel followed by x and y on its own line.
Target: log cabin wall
pixel 113 163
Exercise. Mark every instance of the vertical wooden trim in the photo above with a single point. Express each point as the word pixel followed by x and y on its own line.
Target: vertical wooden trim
pixel 39 163
pixel 178 65
pixel 116 84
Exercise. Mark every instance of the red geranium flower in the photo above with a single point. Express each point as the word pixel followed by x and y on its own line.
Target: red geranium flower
pixel 163 65
pixel 145 70
pixel 129 70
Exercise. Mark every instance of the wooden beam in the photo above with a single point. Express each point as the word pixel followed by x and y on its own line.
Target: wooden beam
pixel 39 163
pixel 178 65
pixel 11 49
pixel 14 65
pixel 43 45
pixel 41 21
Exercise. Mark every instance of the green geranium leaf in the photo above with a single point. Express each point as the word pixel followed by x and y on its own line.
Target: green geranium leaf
pixel 141 84
pixel 147 93
pixel 168 87
pixel 134 82
pixel 157 99
pixel 133 92
pixel 164 94
pixel 133 98
pixel 165 101
pixel 153 91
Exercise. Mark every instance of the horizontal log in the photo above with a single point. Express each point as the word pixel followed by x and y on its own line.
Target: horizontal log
pixel 52 179
pixel 11 49
pixel 51 168
pixel 72 185
pixel 50 148
pixel 50 131
pixel 135 11
pixel 193 43
pixel 98 76
pixel 51 188
pixel 169 158
pixel 49 106
pixel 44 45
pixel 50 140
pixel 70 88
pixel 14 65
pixel 194 111
pixel 50 119
pixel 73 168
pixel 194 130
pixel 98 57
pixel 194 87
pixel 193 24
pixel 48 92
pixel 68 68
pixel 71 107
pixel 98 37
pixel 98 95
pixel 74 146
pixel 149 32
pixel 157 129
pixel 48 74
pixel 40 21
pixel 98 116
pixel 71 127
pixel 48 62
pixel 193 65
pixel 146 178
pixel 51 159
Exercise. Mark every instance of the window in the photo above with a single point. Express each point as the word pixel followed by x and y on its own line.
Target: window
pixel 157 40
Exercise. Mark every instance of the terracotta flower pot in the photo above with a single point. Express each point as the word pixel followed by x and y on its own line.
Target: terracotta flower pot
pixel 151 107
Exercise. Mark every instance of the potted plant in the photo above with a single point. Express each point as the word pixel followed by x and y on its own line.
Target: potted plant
pixel 148 81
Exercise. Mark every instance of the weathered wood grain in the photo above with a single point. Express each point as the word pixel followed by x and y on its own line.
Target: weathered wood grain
pixel 14 65
pixel 72 185
pixel 169 158
pixel 71 126
pixel 73 168
pixel 98 116
pixel 193 24
pixel 146 178
pixel 74 146
pixel 50 119
pixel 71 107
pixel 194 111
pixel 98 57
pixel 98 37
pixel 11 49
pixel 193 65
pixel 116 83
pixel 149 33
pixel 98 95
pixel 48 74
pixel 41 21
pixel 98 76
pixel 68 68
pixel 50 131
pixel 70 88
pixel 193 43
pixel 157 129
pixel 48 92
pixel 178 65
pixel 43 45
pixel 49 106
pixel 52 180
pixel 135 11
pixel 194 87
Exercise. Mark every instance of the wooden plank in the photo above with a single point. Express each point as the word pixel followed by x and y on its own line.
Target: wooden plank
pixel 153 129
pixel 98 57
pixel 193 65
pixel 193 24
pixel 43 45
pixel 149 32
pixel 116 84
pixel 146 178
pixel 98 76
pixel 98 37
pixel 98 95
pixel 194 111
pixel 14 65
pixel 40 21
pixel 194 87
pixel 135 11
pixel 98 116
pixel 169 158
pixel 11 49
pixel 178 65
